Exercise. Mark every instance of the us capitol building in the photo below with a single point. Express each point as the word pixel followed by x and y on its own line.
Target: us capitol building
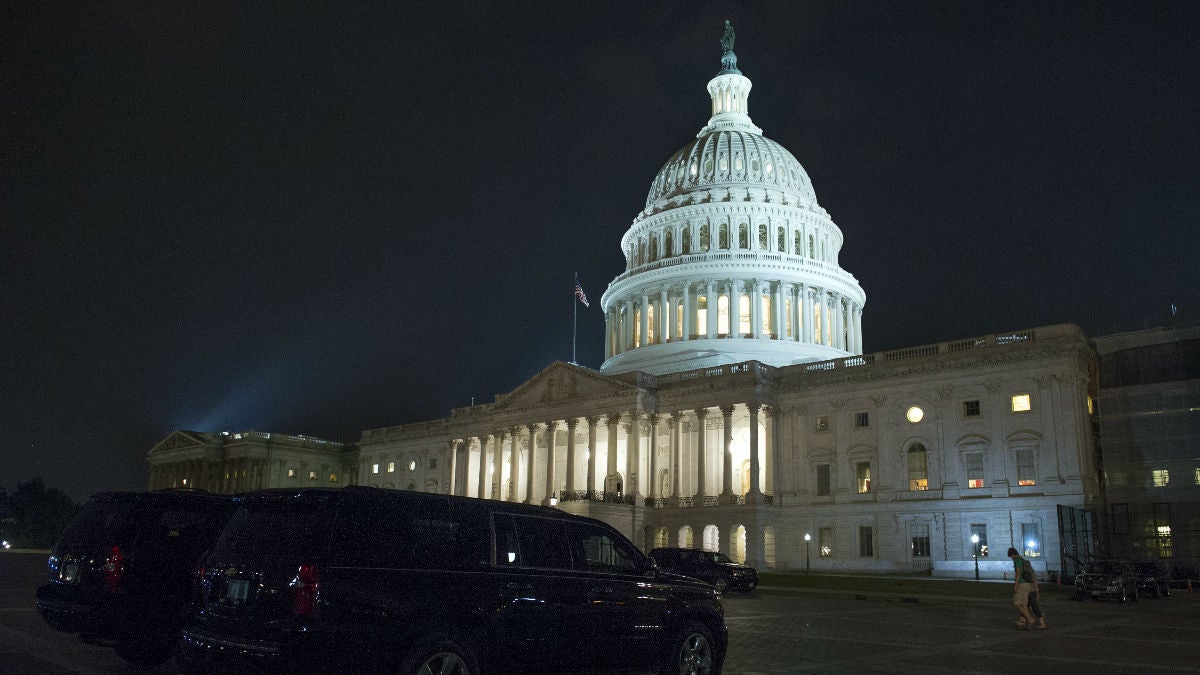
pixel 735 409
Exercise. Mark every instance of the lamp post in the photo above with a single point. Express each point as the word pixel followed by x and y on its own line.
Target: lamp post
pixel 975 541
pixel 807 560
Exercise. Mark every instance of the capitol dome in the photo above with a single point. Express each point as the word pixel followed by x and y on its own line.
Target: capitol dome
pixel 731 259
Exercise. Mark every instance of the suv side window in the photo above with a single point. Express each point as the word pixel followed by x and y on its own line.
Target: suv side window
pixel 595 549
pixel 525 541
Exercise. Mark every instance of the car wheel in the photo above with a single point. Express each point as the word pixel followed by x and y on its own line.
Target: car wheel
pixel 1134 596
pixel 439 658
pixel 692 653
pixel 145 653
pixel 722 584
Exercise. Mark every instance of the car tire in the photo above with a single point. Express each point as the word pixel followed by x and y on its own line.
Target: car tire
pixel 145 653
pixel 721 584
pixel 692 652
pixel 439 658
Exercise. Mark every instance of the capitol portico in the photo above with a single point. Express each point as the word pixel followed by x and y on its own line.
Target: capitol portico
pixel 736 409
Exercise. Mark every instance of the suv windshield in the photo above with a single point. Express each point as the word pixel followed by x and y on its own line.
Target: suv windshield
pixel 722 558
pixel 1104 568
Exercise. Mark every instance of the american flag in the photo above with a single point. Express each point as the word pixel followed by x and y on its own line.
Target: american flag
pixel 579 292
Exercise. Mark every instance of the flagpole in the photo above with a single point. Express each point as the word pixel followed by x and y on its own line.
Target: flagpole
pixel 574 326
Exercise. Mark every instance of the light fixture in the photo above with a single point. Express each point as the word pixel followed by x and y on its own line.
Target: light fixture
pixel 915 414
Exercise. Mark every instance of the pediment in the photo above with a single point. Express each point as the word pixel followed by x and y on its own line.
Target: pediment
pixel 179 440
pixel 561 384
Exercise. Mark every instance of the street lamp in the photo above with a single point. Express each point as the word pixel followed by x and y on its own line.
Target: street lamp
pixel 975 540
pixel 807 560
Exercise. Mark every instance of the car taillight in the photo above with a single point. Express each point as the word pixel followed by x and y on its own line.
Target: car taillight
pixel 114 569
pixel 306 591
pixel 198 582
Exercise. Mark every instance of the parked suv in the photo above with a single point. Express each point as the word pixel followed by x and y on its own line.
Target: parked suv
pixel 369 580
pixel 1153 579
pixel 120 574
pixel 1107 578
pixel 715 568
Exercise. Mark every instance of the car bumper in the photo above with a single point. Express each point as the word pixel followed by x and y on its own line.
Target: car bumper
pixel 206 652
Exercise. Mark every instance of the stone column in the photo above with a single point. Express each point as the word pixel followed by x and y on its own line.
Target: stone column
pixel 688 312
pixel 514 466
pixel 712 303
pixel 497 483
pixel 633 437
pixel 701 454
pixel 460 454
pixel 614 422
pixel 755 310
pixel 755 468
pixel 644 322
pixel 664 320
pixel 483 464
pixel 551 432
pixel 572 423
pixel 727 452
pixel 858 341
pixel 777 305
pixel 533 429
pixel 591 462
pixel 807 312
pixel 735 308
pixel 676 457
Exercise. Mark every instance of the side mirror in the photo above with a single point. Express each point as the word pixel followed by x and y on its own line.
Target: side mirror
pixel 650 568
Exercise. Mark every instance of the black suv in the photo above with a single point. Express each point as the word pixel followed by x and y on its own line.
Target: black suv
pixel 120 574
pixel 370 580
pixel 1153 580
pixel 1107 578
pixel 715 568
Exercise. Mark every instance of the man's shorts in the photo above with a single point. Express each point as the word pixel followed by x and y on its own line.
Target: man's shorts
pixel 1021 596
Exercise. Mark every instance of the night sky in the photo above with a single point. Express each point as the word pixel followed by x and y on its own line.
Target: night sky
pixel 318 221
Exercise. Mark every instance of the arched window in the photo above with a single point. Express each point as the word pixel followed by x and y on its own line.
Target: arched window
pixel 701 316
pixel 650 324
pixel 817 323
pixel 653 248
pixel 660 538
pixel 738 541
pixel 787 310
pixel 762 238
pixel 704 238
pixel 669 244
pixel 685 537
pixel 743 236
pixel 744 314
pixel 780 240
pixel 686 240
pixel 679 319
pixel 811 249
pixel 723 315
pixel 723 236
pixel 918 468
pixel 737 163
pixel 797 244
pixel 765 304
pixel 712 538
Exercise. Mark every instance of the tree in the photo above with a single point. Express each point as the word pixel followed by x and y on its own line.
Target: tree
pixel 39 514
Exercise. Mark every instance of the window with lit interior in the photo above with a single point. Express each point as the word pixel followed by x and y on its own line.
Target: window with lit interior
pixel 1026 466
pixel 918 468
pixel 862 477
pixel 973 469
pixel 744 314
pixel 723 315
pixel 1161 477
pixel 1020 403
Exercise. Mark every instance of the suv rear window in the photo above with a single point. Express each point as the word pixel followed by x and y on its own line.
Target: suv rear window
pixel 101 523
pixel 279 526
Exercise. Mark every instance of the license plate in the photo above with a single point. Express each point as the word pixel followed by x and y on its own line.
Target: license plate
pixel 236 590
pixel 69 574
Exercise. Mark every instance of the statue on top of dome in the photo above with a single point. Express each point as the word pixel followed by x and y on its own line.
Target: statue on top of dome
pixel 728 58
pixel 727 38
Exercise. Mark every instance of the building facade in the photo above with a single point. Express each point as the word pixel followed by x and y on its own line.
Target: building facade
pixel 735 409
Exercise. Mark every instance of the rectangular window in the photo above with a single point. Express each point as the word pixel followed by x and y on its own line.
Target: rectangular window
pixel 1026 467
pixel 1196 475
pixel 1162 529
pixel 821 423
pixel 333 478
pixel 920 540
pixel 291 473
pixel 312 475
pixel 1020 403
pixel 433 462
pixel 822 480
pixel 862 419
pixel 787 311
pixel 866 542
pixel 1031 539
pixel 1161 477
pixel 970 408
pixel 979 530
pixel 862 477
pixel 374 468
pixel 918 469
pixel 825 541
pixel 391 467
pixel 973 468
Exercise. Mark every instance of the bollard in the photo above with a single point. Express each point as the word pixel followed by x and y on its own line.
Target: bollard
pixel 1189 585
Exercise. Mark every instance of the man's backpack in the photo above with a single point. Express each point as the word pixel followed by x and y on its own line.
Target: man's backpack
pixel 1028 575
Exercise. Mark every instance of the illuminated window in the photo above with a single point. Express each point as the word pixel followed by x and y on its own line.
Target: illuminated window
pixel 312 475
pixel 825 541
pixel 1161 477
pixel 737 163
pixel 980 530
pixel 723 315
pixel 743 314
pixel 374 468
pixel 226 475
pixel 412 465
pixel 1020 403
pixel 743 235
pixel 1091 403
pixel 1031 539
pixel 762 238
pixel 701 315
pixel 704 243
pixel 920 540
pixel 723 163
pixel 970 408
pixel 862 419
pixel 823 482
pixel 679 319
pixel 637 328
pixel 333 478
pixel 1196 475
pixel 914 414
pixel 1026 467
pixel 185 482
pixel 787 310
pixel 291 473
pixel 765 306
pixel 862 477
pixel 973 469
pixel 821 423
pixel 817 323
pixel 650 332
pixel 694 169
pixel 918 468
pixel 391 467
